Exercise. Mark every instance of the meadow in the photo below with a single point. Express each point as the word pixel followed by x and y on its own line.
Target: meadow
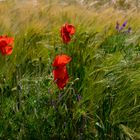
pixel 100 101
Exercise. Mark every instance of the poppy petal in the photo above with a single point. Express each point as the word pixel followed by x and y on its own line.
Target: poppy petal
pixel 6 50
pixel 6 45
pixel 59 73
pixel 61 77
pixel 66 38
pixel 66 31
pixel 61 83
pixel 70 28
pixel 61 60
pixel 10 40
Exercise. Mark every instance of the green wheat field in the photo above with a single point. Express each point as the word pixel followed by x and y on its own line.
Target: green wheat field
pixel 101 100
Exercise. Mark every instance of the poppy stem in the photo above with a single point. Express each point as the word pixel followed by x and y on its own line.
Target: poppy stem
pixel 19 90
pixel 4 60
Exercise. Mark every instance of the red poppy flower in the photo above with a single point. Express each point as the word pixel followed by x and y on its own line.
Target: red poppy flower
pixel 60 72
pixel 66 31
pixel 61 60
pixel 6 45
pixel 61 76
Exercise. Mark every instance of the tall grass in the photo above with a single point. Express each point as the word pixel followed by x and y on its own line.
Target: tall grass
pixel 101 100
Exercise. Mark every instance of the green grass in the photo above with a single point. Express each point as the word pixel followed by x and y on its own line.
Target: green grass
pixel 104 71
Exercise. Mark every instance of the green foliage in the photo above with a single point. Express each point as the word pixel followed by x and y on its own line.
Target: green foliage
pixel 101 100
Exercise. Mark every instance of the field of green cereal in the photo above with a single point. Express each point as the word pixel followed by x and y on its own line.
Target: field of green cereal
pixel 100 101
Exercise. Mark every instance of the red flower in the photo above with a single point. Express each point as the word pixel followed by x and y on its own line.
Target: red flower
pixel 66 31
pixel 61 76
pixel 6 45
pixel 60 72
pixel 61 60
